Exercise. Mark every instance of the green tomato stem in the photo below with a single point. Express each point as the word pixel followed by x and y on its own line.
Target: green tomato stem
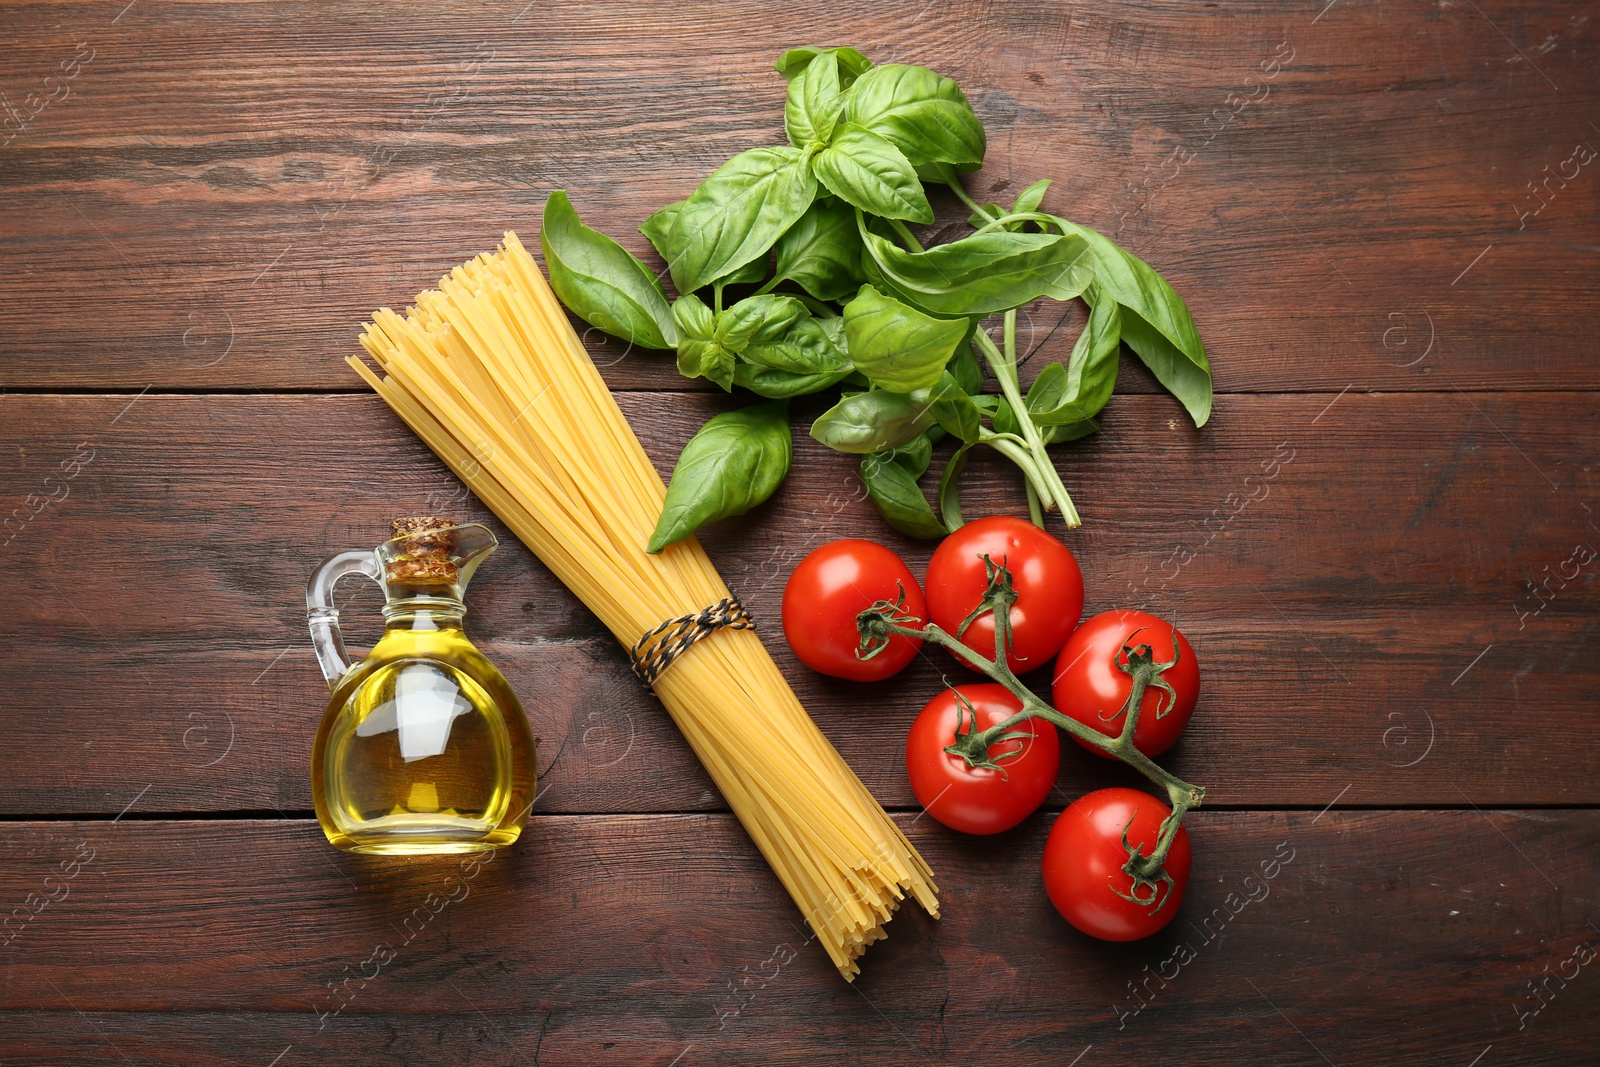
pixel 887 618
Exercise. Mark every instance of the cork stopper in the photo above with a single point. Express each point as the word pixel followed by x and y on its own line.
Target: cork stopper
pixel 429 548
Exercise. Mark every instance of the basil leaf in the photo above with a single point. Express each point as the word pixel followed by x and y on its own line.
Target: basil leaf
pixel 964 368
pixel 693 318
pixel 822 252
pixel 768 330
pixel 983 273
pixel 1063 395
pixel 925 114
pixel 734 463
pixel 915 455
pixel 601 281
pixel 699 353
pixel 898 347
pixel 950 490
pixel 765 317
pixel 1159 329
pixel 870 422
pixel 852 64
pixel 737 213
pixel 954 410
pixel 891 482
pixel 1045 395
pixel 804 348
pixel 833 326
pixel 812 109
pixel 781 385
pixel 659 228
pixel 1177 370
pixel 707 359
pixel 749 274
pixel 1002 417
pixel 1030 198
pixel 864 169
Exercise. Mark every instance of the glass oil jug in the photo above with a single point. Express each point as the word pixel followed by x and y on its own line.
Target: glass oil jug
pixel 423 748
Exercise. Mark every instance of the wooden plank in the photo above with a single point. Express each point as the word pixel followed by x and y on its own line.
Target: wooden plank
pixel 1365 622
pixel 223 217
pixel 634 940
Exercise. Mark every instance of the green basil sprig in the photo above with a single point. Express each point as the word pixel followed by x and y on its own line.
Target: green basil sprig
pixel 797 271
pixel 734 463
pixel 700 353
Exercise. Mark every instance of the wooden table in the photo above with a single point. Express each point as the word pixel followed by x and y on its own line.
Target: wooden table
pixel 1383 546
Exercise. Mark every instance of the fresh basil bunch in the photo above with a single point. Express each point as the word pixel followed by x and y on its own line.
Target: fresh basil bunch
pixel 833 287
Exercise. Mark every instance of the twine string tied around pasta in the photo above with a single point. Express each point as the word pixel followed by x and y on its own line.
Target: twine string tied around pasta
pixel 653 653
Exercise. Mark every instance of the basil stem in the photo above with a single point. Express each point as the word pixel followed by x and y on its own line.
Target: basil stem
pixel 1038 462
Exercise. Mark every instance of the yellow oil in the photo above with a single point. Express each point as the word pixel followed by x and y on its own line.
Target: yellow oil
pixel 424 747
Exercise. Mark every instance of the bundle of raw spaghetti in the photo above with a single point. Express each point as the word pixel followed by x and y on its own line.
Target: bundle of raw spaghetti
pixel 488 371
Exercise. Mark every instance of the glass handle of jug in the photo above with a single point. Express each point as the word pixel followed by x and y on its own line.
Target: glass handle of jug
pixel 323 616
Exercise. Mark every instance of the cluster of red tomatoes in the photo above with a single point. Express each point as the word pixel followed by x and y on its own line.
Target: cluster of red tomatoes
pixel 1088 846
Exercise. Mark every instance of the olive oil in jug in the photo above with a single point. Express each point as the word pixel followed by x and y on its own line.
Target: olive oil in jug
pixel 423 748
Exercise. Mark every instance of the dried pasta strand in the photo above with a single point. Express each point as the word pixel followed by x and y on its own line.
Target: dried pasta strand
pixel 487 370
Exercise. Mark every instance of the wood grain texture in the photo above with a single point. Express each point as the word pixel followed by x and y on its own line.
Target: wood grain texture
pixel 1382 937
pixel 1394 542
pixel 1382 546
pixel 244 205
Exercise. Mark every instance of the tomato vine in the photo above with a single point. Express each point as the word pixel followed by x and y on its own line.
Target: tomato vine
pixel 890 618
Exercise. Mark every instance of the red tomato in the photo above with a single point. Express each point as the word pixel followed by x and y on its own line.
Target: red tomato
pixel 980 800
pixel 826 592
pixel 1047 580
pixel 1084 857
pixel 1089 687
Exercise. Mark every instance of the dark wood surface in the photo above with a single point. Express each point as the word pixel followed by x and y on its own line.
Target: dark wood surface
pixel 616 939
pixel 192 231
